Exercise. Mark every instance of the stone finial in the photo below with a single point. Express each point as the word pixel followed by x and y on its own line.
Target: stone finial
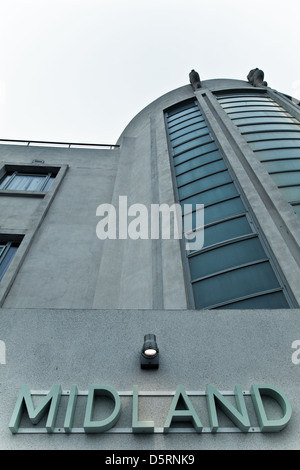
pixel 256 77
pixel 195 79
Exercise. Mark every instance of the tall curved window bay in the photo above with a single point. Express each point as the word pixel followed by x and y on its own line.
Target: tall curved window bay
pixel 233 269
pixel 273 135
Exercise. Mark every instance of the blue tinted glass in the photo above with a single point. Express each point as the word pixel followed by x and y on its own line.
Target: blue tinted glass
pixel 4 181
pixel 192 144
pixel 7 260
pixel 173 127
pixel 182 107
pixel 225 257
pixel 185 130
pixel 244 99
pixel 287 178
pixel 189 136
pixel 201 172
pixel 275 144
pixel 275 154
pixel 203 184
pixel 250 109
pixel 241 102
pixel 48 184
pixel 272 135
pixel 274 300
pixel 270 127
pixel 198 161
pixel 194 153
pixel 177 120
pixel 265 114
pixel 283 165
pixel 291 193
pixel 185 112
pixel 223 209
pixel 226 230
pixel 213 195
pixel 234 284
pixel 262 119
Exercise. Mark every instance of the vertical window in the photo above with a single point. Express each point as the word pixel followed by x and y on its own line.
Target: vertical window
pixel 273 135
pixel 7 252
pixel 233 269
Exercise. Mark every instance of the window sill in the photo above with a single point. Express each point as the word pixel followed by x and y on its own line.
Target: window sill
pixel 11 192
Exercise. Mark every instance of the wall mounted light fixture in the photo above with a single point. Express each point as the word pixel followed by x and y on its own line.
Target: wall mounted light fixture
pixel 150 353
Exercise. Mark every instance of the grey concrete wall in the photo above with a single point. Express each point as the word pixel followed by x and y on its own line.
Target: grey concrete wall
pixel 83 347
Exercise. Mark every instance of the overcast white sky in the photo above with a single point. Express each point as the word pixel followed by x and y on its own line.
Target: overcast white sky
pixel 80 70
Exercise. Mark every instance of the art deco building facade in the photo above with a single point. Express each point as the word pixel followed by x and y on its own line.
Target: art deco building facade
pixel 75 307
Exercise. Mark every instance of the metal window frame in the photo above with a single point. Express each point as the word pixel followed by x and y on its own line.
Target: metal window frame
pixel 43 184
pixel 246 297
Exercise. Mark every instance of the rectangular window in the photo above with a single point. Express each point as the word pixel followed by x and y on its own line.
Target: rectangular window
pixel 19 181
pixel 7 252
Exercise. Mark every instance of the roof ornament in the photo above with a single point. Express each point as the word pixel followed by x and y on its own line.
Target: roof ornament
pixel 256 77
pixel 195 79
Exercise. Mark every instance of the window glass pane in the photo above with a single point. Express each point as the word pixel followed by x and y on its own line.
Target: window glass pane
pixel 234 284
pixel 242 94
pixel 226 256
pixel 256 114
pixel 291 193
pixel 250 109
pixel 200 172
pixel 221 210
pixel 244 99
pixel 5 181
pixel 194 153
pixel 175 127
pixel 192 144
pixel 190 109
pixel 198 161
pixel 242 103
pixel 177 120
pixel 290 177
pixel 7 260
pixel 189 136
pixel 262 119
pixel 276 154
pixel 213 195
pixel 49 184
pixel 204 184
pixel 273 300
pixel 187 129
pixel 281 165
pixel 272 135
pixel 275 144
pixel 178 109
pixel 226 230
pixel 269 127
pixel 25 183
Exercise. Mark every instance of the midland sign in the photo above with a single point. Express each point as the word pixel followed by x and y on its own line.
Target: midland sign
pixel 180 410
